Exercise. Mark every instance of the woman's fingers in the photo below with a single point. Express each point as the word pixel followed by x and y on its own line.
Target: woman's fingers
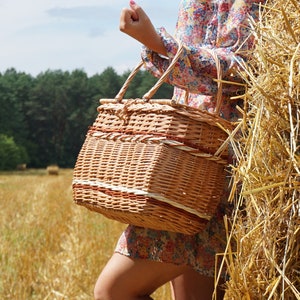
pixel 131 17
pixel 126 19
pixel 135 22
pixel 133 6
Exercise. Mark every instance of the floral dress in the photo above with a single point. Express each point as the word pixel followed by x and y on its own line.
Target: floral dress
pixel 204 27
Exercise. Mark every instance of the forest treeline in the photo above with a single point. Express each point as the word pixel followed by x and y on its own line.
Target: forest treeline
pixel 44 118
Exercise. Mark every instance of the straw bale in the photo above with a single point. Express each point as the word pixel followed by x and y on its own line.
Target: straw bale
pixel 53 170
pixel 21 167
pixel 265 227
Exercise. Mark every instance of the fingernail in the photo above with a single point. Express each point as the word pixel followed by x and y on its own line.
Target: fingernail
pixel 132 2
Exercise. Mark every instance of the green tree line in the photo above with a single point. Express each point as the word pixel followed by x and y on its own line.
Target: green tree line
pixel 44 119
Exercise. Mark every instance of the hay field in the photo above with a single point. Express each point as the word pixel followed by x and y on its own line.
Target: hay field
pixel 49 247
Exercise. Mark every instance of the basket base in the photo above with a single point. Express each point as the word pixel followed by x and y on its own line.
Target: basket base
pixel 151 213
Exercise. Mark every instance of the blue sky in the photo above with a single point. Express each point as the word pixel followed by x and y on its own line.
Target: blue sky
pixel 38 35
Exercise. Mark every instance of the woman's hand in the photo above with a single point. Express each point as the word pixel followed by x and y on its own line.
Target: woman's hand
pixel 135 22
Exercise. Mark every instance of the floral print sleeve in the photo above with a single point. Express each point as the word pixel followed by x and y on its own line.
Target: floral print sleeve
pixel 202 26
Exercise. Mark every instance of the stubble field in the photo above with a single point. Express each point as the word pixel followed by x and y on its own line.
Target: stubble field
pixel 51 248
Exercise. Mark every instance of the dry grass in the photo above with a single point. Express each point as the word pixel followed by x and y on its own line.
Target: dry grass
pixel 49 247
pixel 266 227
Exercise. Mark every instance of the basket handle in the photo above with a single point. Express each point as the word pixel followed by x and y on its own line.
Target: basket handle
pixel 153 90
pixel 123 90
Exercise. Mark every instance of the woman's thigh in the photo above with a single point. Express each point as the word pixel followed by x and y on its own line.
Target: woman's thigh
pixel 126 278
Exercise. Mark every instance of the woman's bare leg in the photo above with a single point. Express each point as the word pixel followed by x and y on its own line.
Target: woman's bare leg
pixel 132 279
pixel 192 286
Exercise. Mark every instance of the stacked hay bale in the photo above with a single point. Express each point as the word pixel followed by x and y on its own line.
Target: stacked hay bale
pixel 266 224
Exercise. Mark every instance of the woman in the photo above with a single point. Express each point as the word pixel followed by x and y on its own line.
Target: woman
pixel 146 259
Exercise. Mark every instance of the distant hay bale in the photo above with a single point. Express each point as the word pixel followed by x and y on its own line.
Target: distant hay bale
pixel 53 170
pixel 21 167
pixel 265 228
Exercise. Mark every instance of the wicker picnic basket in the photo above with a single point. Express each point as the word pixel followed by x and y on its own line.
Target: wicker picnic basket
pixel 152 163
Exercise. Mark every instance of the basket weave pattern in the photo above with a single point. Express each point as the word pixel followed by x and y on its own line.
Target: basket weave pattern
pixel 153 163
pixel 154 167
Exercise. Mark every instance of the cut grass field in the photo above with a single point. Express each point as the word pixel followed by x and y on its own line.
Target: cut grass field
pixel 51 248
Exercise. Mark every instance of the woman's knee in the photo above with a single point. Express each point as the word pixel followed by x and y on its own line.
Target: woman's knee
pixel 106 286
pixel 107 292
pixel 101 295
pixel 103 291
pixel 118 281
pixel 125 278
